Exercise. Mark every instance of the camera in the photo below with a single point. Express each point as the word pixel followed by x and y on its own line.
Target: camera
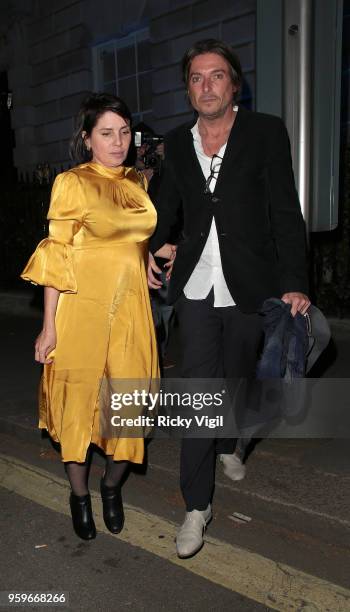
pixel 151 158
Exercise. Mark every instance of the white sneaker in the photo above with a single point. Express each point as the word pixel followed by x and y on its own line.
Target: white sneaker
pixel 233 466
pixel 189 539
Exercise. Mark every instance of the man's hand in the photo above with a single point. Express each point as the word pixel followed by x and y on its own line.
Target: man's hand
pixel 167 251
pixel 299 301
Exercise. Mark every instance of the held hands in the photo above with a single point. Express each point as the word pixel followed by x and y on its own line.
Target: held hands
pixel 153 281
pixel 299 301
pixel 167 251
pixel 44 344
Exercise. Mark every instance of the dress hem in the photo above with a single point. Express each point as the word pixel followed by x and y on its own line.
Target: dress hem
pixel 102 445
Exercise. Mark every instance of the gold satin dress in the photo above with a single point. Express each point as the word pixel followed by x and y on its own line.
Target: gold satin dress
pixel 95 255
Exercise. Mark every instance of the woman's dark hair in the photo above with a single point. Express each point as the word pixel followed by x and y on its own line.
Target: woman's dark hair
pixel 211 45
pixel 92 107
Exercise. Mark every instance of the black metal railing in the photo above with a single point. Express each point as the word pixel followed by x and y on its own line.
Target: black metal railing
pixel 330 256
pixel 23 211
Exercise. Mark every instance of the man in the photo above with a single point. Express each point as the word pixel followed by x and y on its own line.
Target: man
pixel 243 241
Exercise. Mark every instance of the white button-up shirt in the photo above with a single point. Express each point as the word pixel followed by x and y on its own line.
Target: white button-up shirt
pixel 208 271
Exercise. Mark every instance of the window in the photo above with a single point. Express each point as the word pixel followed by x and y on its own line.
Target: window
pixel 123 67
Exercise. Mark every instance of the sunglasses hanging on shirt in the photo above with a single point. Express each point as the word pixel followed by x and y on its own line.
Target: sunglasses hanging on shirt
pixel 215 164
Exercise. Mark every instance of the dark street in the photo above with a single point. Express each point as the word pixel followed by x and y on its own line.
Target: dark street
pixel 289 551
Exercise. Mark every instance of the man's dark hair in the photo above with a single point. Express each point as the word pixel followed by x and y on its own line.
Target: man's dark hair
pixel 211 45
pixel 91 109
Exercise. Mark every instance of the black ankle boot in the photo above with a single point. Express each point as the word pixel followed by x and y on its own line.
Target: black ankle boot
pixel 113 513
pixel 83 521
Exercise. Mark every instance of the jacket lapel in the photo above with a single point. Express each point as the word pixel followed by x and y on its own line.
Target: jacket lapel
pixel 235 143
pixel 237 139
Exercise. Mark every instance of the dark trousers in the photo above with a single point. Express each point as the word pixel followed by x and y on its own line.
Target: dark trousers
pixel 216 343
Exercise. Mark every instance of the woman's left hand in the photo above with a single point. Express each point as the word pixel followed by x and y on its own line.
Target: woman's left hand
pixel 44 344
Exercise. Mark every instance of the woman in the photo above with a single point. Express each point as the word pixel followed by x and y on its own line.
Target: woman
pixel 97 318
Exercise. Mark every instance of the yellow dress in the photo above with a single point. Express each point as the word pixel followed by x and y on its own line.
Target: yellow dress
pixel 95 255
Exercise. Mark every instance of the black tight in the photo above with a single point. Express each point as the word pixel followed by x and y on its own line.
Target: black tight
pixel 78 477
pixel 115 471
pixel 78 474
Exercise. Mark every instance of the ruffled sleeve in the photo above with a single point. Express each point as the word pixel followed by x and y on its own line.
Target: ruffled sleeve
pixel 52 263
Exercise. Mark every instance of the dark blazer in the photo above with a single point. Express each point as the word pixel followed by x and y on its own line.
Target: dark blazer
pixel 255 205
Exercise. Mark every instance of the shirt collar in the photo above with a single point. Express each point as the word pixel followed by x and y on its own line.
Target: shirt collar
pixel 195 130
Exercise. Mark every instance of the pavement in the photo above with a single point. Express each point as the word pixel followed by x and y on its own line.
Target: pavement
pixel 280 539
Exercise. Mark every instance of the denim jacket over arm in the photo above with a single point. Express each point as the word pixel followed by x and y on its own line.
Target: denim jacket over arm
pixel 286 342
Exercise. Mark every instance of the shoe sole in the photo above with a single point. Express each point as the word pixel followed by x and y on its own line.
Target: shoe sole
pixel 193 553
